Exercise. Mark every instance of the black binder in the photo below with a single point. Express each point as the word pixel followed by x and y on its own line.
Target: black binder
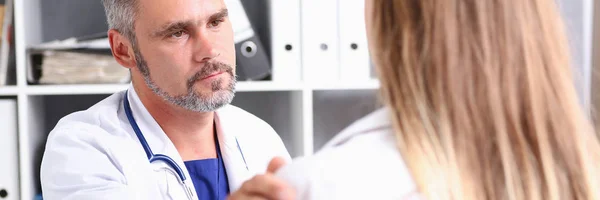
pixel 251 57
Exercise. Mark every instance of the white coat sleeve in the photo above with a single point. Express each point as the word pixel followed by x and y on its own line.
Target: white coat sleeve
pixel 77 164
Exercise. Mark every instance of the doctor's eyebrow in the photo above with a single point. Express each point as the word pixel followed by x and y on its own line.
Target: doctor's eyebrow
pixel 223 13
pixel 170 27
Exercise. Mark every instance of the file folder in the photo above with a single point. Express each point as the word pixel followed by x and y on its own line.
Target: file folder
pixel 320 53
pixel 285 40
pixel 251 58
pixel 354 53
pixel 9 173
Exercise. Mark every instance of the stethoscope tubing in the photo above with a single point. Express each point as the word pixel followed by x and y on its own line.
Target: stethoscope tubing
pixel 151 156
pixel 160 157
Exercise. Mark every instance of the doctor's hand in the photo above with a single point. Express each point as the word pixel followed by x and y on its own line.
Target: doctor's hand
pixel 265 186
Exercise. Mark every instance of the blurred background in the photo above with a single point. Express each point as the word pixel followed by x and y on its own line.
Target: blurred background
pixel 304 69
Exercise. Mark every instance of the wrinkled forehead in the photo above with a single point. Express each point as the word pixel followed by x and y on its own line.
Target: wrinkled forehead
pixel 153 13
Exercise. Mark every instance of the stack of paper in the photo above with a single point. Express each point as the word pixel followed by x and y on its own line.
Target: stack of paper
pixel 74 43
pixel 84 60
pixel 68 67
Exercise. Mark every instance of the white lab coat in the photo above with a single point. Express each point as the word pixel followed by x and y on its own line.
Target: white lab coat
pixel 361 162
pixel 95 154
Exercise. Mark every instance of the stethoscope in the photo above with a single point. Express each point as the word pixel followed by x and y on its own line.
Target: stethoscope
pixel 175 168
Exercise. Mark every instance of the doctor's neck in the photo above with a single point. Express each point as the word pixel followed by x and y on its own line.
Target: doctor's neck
pixel 191 132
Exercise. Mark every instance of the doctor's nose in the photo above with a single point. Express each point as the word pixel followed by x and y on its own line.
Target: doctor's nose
pixel 204 49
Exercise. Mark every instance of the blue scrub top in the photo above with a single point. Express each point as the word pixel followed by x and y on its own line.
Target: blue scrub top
pixel 209 176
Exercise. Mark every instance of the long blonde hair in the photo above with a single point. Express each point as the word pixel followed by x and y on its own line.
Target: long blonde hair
pixel 483 99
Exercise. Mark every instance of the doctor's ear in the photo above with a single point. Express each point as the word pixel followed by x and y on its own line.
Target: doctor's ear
pixel 121 48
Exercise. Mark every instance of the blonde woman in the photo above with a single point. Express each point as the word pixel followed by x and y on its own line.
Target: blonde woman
pixel 480 104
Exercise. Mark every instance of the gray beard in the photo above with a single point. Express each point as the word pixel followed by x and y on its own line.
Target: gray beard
pixel 194 101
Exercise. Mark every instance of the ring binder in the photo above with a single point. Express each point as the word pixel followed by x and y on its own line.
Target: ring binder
pixel 251 58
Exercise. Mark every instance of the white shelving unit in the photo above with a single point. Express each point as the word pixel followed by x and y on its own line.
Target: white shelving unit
pixel 8 91
pixel 305 114
pixel 287 106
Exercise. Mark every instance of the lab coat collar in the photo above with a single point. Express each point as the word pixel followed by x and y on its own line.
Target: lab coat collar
pixel 231 148
pixel 156 138
pixel 378 119
pixel 236 164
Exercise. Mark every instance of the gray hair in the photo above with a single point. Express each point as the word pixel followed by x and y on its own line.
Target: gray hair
pixel 120 15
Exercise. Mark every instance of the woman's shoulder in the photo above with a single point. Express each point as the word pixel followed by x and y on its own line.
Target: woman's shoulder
pixel 360 162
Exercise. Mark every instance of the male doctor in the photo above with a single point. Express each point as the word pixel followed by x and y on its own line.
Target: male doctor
pixel 172 134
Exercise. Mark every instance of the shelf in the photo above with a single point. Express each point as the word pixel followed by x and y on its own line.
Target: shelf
pixel 113 88
pixel 75 89
pixel 8 90
pixel 265 86
pixel 258 86
pixel 362 85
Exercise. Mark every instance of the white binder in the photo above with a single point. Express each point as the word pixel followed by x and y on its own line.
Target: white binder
pixel 320 41
pixel 285 40
pixel 9 173
pixel 354 53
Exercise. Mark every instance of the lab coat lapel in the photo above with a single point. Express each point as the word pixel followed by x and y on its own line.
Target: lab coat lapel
pixel 157 139
pixel 232 150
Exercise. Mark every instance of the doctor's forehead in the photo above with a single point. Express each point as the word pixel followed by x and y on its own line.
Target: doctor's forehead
pixel 161 11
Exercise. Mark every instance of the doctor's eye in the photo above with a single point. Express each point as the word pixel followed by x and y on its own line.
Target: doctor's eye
pixel 216 23
pixel 178 34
